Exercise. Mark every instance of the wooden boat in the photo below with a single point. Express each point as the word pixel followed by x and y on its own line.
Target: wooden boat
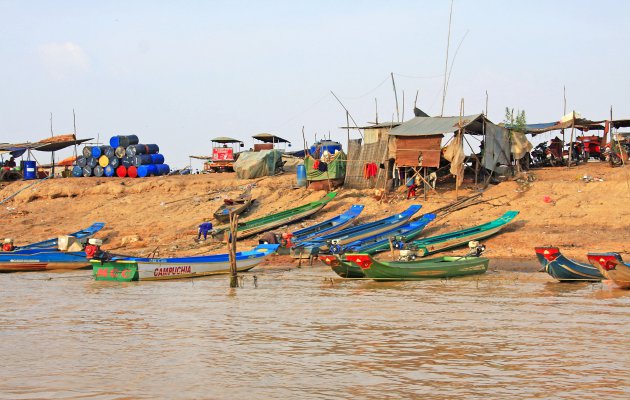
pixel 149 269
pixel 439 243
pixel 41 260
pixel 435 268
pixel 321 244
pixel 565 269
pixel 52 243
pixel 380 241
pixel 258 225
pixel 335 224
pixel 341 266
pixel 235 206
pixel 612 266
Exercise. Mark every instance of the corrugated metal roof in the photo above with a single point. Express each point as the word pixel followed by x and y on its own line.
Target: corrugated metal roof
pixel 269 138
pixel 373 126
pixel 426 126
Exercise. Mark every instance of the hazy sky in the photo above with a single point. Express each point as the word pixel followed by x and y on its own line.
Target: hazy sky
pixel 180 73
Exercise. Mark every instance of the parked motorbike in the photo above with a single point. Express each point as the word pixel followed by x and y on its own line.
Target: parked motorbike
pixel 615 153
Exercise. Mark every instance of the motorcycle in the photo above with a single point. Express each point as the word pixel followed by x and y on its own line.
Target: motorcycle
pixel 616 152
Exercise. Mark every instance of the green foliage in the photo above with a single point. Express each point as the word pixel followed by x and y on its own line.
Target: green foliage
pixel 515 123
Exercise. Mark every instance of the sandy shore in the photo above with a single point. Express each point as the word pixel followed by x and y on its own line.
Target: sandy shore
pixel 162 213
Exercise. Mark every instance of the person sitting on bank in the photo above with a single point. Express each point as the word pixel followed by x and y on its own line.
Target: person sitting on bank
pixel 10 163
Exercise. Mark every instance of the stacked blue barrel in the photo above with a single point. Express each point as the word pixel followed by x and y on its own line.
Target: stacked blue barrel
pixel 124 156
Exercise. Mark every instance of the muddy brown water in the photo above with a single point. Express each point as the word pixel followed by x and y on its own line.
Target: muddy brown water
pixel 298 334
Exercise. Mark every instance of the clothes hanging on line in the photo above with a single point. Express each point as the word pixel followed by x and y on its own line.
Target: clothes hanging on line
pixel 322 167
pixel 370 170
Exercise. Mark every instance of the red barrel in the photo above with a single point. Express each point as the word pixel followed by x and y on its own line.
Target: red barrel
pixel 121 171
pixel 132 172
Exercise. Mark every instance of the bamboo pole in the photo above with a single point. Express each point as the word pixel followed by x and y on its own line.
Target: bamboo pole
pixel 448 43
pixel 395 97
pixel 350 115
pixel 232 249
pixel 571 143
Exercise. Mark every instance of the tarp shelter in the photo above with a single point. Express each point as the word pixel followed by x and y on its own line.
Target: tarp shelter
pixel 255 164
pixel 54 143
pixel 335 168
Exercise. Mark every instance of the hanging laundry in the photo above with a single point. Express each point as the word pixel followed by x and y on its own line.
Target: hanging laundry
pixel 316 164
pixel 322 167
pixel 370 170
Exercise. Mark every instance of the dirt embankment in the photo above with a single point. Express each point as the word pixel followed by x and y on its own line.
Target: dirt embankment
pixel 141 215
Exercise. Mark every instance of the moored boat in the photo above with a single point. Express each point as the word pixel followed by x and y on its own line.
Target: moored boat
pixel 435 268
pixel 565 269
pixel 259 225
pixel 53 243
pixel 125 269
pixel 342 267
pixel 612 266
pixel 462 237
pixel 331 225
pixel 41 260
pixel 236 206
pixel 321 244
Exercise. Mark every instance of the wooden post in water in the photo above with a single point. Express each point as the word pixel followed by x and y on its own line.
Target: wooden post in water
pixel 232 249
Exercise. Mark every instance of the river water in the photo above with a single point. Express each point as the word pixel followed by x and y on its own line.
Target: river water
pixel 298 334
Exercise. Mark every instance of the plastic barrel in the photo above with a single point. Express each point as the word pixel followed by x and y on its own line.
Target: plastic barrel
pixel 87 151
pixel 29 169
pixel 126 161
pixel 147 170
pixel 96 152
pixel 123 141
pixel 157 158
pixel 121 171
pixel 91 162
pixel 162 169
pixel 87 171
pixel 98 171
pixel 120 152
pixel 132 172
pixel 142 149
pixel 301 175
pixel 108 151
pixel 114 162
pixel 109 171
pixel 81 161
pixel 103 161
pixel 77 171
pixel 141 159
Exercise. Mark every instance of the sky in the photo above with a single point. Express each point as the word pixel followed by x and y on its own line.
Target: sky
pixel 180 73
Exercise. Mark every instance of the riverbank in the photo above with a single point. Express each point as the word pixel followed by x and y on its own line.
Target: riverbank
pixel 559 207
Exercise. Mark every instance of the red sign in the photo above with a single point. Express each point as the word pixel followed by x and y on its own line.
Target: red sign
pixel 222 154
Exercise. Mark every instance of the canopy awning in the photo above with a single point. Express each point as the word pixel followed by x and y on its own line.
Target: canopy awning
pixel 269 138
pixel 54 143
pixel 225 139
pixel 428 126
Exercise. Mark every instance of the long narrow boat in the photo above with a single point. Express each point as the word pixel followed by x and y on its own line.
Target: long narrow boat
pixel 41 260
pixel 341 266
pixel 612 266
pixel 258 225
pixel 322 243
pixel 52 243
pixel 435 268
pixel 565 269
pixel 235 206
pixel 450 240
pixel 335 224
pixel 149 269
pixel 380 241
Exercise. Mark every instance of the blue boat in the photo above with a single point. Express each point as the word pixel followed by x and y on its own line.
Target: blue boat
pixel 320 244
pixel 52 243
pixel 380 241
pixel 565 269
pixel 334 224
pixel 41 260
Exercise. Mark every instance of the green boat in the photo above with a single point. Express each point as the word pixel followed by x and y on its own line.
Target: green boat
pixel 263 224
pixel 435 244
pixel 341 266
pixel 435 268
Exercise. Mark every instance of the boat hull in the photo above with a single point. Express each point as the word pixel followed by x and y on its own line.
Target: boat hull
pixel 451 240
pixel 612 266
pixel 126 270
pixel 564 269
pixel 42 261
pixel 437 268
pixel 343 267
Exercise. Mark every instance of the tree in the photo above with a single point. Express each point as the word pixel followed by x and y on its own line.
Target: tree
pixel 513 123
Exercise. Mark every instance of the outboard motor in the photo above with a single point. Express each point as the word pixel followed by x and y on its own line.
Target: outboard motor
pixel 335 247
pixel 398 242
pixel 7 245
pixel 407 255
pixel 476 249
pixel 93 249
